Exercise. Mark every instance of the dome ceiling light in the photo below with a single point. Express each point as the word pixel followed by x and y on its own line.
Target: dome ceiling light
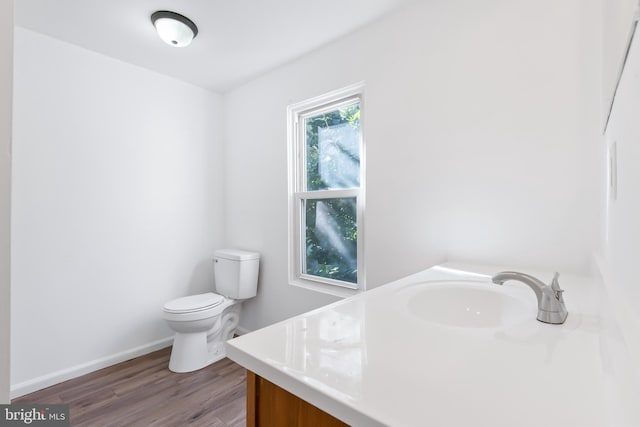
pixel 174 29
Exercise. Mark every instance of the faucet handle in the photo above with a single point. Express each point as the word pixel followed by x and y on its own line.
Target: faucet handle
pixel 555 286
pixel 554 282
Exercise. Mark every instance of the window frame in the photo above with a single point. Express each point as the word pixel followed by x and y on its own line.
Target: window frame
pixel 298 193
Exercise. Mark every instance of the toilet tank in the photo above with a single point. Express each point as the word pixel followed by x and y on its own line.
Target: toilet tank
pixel 236 273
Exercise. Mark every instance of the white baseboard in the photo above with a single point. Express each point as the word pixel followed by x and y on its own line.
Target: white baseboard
pixel 53 378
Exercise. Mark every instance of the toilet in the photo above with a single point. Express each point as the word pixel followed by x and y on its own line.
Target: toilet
pixel 202 323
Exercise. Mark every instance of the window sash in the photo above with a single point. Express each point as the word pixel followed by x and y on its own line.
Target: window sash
pixel 328 194
pixel 300 234
pixel 301 135
pixel 331 106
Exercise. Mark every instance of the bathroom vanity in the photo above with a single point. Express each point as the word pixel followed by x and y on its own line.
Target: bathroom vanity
pixel 443 347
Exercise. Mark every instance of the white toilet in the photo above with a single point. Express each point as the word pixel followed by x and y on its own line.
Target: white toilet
pixel 203 322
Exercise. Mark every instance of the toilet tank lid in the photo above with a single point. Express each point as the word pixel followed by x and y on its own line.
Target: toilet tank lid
pixel 236 254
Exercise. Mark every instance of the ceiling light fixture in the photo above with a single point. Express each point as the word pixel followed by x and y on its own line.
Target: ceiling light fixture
pixel 173 28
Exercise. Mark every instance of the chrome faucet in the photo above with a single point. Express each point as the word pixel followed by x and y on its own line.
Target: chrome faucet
pixel 551 308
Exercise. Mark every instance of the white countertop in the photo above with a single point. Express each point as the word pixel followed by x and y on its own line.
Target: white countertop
pixel 369 361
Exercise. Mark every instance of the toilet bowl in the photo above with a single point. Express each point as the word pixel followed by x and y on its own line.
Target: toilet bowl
pixel 204 322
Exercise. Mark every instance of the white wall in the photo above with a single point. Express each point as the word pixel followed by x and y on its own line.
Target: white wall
pixel 622 229
pixel 482 137
pixel 6 88
pixel 118 183
pixel 622 242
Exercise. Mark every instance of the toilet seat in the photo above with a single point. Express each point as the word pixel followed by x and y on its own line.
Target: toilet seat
pixel 194 303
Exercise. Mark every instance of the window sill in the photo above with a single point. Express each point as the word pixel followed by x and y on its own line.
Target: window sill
pixel 336 291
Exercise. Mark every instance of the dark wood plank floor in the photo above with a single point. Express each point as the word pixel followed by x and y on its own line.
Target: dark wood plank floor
pixel 143 392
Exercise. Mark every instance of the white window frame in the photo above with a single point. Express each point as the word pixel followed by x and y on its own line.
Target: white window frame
pixel 297 184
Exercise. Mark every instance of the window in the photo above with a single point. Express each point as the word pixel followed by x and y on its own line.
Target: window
pixel 326 197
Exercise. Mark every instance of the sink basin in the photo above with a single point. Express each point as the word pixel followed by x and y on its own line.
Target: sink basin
pixel 466 304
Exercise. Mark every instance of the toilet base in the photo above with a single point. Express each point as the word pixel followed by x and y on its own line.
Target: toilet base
pixel 196 350
pixel 189 352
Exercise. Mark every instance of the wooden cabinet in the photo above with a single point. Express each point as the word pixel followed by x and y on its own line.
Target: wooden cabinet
pixel 269 405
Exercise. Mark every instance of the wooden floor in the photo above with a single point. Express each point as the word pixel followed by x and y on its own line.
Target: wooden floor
pixel 143 392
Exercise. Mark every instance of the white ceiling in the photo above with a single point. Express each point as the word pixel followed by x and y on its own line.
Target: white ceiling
pixel 237 40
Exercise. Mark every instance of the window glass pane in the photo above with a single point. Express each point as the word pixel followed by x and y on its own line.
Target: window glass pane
pixel 331 238
pixel 333 149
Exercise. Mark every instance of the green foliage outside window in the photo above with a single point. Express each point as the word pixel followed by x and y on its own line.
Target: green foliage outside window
pixel 333 162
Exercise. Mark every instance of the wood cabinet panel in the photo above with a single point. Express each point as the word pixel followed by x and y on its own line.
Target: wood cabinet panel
pixel 271 406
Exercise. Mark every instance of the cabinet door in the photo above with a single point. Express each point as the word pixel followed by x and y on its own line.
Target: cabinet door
pixel 271 406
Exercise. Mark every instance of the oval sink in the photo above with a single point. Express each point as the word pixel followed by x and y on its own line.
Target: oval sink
pixel 465 304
